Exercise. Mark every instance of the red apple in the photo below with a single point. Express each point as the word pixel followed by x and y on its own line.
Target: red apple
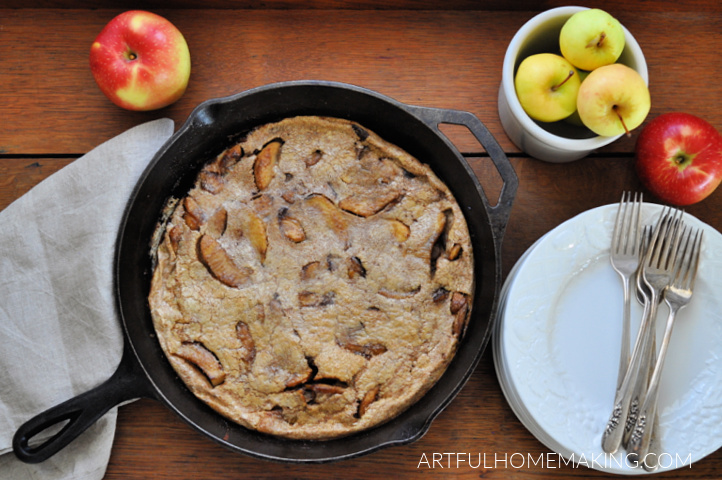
pixel 141 61
pixel 679 158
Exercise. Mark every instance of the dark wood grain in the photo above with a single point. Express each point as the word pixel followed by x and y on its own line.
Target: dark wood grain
pixel 18 175
pixel 439 54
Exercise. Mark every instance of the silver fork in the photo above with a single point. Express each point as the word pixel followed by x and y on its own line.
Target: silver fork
pixel 650 463
pixel 625 260
pixel 648 348
pixel 677 296
pixel 659 253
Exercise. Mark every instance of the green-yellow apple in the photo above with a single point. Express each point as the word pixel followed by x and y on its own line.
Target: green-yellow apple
pixel 141 61
pixel 547 85
pixel 679 158
pixel 591 38
pixel 613 99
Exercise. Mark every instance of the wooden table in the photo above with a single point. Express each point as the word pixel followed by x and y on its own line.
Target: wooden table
pixel 51 112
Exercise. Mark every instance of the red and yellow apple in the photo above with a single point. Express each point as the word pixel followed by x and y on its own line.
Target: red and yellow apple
pixel 679 158
pixel 141 61
pixel 613 99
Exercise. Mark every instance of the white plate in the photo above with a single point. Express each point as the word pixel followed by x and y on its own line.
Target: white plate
pixel 557 346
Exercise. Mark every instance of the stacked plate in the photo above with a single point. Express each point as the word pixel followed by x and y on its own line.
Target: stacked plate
pixel 557 344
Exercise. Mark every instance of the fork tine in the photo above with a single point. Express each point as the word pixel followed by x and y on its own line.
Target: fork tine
pixel 635 223
pixel 639 218
pixel 696 254
pixel 655 244
pixel 681 265
pixel 663 246
pixel 618 222
pixel 625 224
pixel 618 233
pixel 672 241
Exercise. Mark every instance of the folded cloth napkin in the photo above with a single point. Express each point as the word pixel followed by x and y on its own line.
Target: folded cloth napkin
pixel 59 332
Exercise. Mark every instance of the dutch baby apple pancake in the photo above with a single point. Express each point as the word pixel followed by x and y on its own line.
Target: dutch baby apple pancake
pixel 315 280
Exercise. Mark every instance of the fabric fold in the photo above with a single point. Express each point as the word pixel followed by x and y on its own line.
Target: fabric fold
pixel 59 331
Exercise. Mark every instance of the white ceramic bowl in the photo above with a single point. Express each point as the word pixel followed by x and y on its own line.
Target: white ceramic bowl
pixel 558 141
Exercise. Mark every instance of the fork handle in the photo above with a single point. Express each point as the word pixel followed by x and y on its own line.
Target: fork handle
pixel 626 335
pixel 614 431
pixel 651 459
pixel 641 436
pixel 639 388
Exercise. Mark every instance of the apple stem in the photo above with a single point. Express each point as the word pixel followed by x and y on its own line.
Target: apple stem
pixel 597 43
pixel 680 158
pixel 622 120
pixel 558 86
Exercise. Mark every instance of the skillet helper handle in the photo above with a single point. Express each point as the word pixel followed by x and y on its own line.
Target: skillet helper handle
pixel 80 412
pixel 498 213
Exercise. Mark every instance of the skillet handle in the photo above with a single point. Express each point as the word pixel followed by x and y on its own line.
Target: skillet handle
pixel 499 213
pixel 80 412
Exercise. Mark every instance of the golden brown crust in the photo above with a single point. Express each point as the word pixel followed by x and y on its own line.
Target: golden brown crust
pixel 315 281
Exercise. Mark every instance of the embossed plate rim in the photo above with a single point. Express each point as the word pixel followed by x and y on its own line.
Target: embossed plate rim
pixel 587 237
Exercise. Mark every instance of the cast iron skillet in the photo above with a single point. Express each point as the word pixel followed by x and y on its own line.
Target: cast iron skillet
pixel 144 371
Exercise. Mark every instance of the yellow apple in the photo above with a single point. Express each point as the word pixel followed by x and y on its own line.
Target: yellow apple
pixel 613 99
pixel 547 85
pixel 591 39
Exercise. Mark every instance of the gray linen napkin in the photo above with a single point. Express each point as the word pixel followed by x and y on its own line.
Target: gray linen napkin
pixel 59 335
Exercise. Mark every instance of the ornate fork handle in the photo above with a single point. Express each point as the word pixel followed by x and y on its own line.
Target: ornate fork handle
pixel 639 440
pixel 614 431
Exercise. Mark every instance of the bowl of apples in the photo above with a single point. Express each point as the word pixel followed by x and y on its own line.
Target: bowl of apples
pixel 574 79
